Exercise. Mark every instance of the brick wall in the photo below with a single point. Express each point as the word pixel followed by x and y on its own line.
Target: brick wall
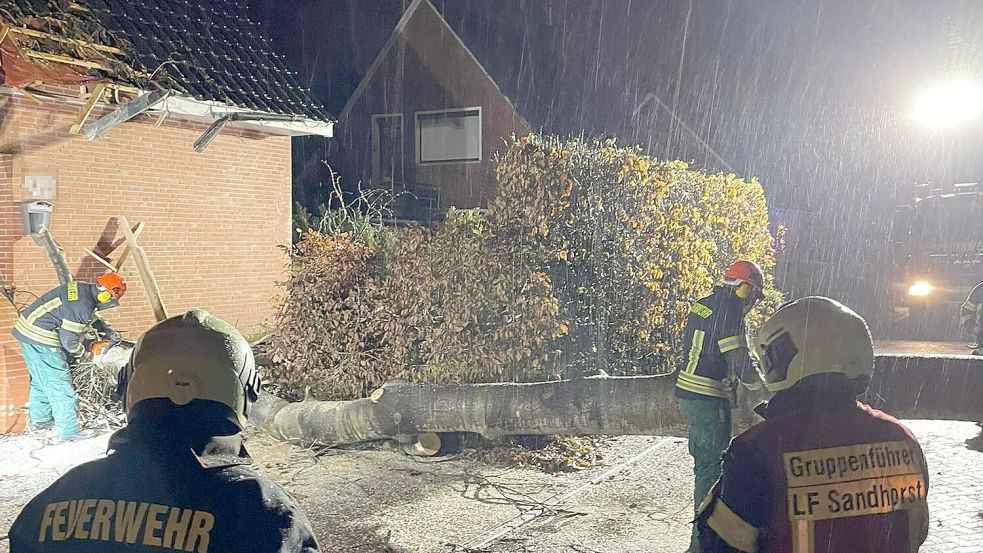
pixel 214 220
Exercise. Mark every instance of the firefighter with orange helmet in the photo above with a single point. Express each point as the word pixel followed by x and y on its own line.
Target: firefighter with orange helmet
pixel 49 332
pixel 824 473
pixel 715 356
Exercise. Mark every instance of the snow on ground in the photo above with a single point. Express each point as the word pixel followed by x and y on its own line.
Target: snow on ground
pixel 639 499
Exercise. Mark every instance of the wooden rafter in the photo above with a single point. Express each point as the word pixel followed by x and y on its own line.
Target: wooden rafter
pixel 125 88
pixel 65 40
pixel 90 104
pixel 146 275
pixel 100 259
pixel 161 119
pixel 124 113
pixel 127 250
pixel 31 96
pixel 65 59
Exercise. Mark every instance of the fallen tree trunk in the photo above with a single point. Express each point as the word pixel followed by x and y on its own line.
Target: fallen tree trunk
pixel 940 387
pixel 599 405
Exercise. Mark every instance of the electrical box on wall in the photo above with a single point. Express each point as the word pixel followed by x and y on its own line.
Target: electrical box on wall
pixel 36 216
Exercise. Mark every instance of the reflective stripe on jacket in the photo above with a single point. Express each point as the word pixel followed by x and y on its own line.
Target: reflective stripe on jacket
pixel 160 491
pixel 819 478
pixel 58 318
pixel 970 310
pixel 714 326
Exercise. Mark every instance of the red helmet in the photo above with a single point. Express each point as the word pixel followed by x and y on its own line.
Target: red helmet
pixel 744 271
pixel 113 283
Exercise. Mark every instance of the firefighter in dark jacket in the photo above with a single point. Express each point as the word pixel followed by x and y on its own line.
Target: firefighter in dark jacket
pixel 715 355
pixel 177 476
pixel 971 317
pixel 50 335
pixel 823 473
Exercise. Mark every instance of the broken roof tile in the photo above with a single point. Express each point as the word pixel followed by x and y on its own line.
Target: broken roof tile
pixel 209 50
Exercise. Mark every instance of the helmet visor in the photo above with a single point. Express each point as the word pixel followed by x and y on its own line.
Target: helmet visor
pixel 775 357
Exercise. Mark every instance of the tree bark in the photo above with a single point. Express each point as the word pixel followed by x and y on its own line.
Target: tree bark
pixel 599 405
pixel 55 253
pixel 938 387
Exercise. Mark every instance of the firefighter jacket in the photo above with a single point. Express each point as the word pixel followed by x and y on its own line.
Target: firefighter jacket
pixel 969 313
pixel 58 318
pixel 158 491
pixel 819 477
pixel 714 326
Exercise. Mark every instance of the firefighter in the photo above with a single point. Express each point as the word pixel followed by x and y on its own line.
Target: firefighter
pixel 177 476
pixel 971 317
pixel 824 473
pixel 715 354
pixel 50 335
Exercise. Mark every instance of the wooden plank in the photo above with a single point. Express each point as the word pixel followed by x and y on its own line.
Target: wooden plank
pixel 65 40
pixel 65 59
pixel 27 93
pixel 99 258
pixel 146 275
pixel 127 88
pixel 124 113
pixel 90 104
pixel 126 251
pixel 161 119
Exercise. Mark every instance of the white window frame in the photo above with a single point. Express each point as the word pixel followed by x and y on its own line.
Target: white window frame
pixel 418 137
pixel 376 154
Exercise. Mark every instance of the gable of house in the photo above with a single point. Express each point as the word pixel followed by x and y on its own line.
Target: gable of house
pixel 427 117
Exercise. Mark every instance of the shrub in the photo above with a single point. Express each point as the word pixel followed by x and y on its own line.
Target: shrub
pixel 628 242
pixel 448 305
pixel 587 259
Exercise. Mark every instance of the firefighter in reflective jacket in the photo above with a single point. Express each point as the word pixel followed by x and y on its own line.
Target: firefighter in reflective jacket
pixel 823 473
pixel 716 353
pixel 50 335
pixel 177 476
pixel 971 317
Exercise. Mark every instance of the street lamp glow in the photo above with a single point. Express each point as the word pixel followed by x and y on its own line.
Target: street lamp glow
pixel 920 289
pixel 949 104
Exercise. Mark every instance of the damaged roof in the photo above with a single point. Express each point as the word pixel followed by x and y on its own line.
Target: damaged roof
pixel 210 51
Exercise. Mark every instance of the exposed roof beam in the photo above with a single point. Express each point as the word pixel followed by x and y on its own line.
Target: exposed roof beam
pixel 65 59
pixel 124 113
pixel 65 40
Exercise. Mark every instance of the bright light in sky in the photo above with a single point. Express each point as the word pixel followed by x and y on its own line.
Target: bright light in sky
pixel 949 104
pixel 921 288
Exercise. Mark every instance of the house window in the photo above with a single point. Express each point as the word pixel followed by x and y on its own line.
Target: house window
pixel 387 148
pixel 448 136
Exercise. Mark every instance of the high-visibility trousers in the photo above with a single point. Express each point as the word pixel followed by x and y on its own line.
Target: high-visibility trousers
pixel 51 394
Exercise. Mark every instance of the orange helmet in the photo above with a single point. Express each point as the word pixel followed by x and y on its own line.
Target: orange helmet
pixel 743 271
pixel 113 283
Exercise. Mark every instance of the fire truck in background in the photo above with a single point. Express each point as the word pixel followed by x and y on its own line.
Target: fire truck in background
pixel 937 244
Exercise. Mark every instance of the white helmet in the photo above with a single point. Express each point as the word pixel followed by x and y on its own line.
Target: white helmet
pixel 809 336
pixel 192 356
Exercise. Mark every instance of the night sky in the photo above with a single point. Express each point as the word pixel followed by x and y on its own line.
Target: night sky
pixel 812 97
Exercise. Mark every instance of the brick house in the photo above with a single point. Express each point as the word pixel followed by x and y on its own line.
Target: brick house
pixel 214 219
pixel 427 119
